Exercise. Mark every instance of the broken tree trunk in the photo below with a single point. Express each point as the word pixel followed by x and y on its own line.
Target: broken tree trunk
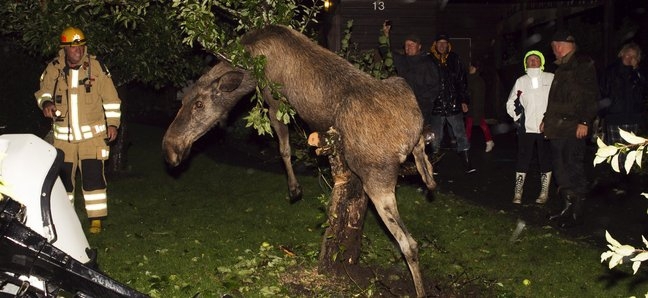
pixel 117 163
pixel 347 208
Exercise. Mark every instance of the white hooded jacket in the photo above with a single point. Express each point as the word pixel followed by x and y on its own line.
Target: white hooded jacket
pixel 535 85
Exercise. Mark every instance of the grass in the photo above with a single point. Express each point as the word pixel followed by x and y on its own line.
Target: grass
pixel 221 227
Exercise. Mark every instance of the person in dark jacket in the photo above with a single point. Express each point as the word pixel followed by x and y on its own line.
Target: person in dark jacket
pixel 453 98
pixel 476 114
pixel 572 105
pixel 418 70
pixel 624 88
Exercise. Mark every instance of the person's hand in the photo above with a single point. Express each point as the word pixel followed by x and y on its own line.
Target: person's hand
pixel 464 107
pixel 541 126
pixel 49 110
pixel 112 133
pixel 581 131
pixel 386 28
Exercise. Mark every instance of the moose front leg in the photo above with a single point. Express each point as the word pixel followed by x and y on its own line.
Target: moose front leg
pixel 294 188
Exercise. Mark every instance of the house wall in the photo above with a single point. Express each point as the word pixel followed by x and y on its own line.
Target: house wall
pixel 463 22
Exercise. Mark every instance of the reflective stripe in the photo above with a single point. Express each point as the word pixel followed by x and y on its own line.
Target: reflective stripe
pixel 113 114
pixel 43 98
pixel 111 106
pixel 74 105
pixel 63 136
pixel 95 196
pixel 96 203
pixel 62 129
pixel 100 128
pixel 63 132
pixel 105 153
pixel 112 110
pixel 95 207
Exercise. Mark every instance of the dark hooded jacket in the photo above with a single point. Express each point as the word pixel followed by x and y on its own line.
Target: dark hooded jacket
pixel 453 85
pixel 573 97
pixel 421 74
pixel 627 90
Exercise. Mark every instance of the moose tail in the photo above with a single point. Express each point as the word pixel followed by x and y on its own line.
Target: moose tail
pixel 423 164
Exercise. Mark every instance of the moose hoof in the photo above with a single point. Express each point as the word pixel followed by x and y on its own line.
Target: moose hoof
pixel 295 195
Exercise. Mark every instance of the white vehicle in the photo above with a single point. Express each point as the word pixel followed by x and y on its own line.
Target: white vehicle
pixel 43 250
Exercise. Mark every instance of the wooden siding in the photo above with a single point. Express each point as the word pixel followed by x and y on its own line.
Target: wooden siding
pixel 481 22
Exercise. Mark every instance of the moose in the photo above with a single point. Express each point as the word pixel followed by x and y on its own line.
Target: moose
pixel 379 121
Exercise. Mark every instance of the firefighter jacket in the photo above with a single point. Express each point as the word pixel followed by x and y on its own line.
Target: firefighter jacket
pixel 86 98
pixel 573 97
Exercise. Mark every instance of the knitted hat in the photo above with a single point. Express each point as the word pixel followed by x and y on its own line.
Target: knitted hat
pixel 442 36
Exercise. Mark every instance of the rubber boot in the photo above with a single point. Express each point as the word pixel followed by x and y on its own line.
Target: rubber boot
pixel 567 209
pixel 466 158
pixel 577 211
pixel 545 180
pixel 519 187
pixel 572 214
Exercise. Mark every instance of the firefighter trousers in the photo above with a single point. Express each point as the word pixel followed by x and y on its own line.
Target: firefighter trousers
pixel 87 157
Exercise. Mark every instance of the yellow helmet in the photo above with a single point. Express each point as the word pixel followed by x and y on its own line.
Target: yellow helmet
pixel 72 36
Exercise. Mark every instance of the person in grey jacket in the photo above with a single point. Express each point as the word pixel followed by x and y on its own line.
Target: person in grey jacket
pixel 572 105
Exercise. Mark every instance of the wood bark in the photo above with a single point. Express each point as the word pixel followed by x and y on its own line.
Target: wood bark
pixel 118 162
pixel 347 208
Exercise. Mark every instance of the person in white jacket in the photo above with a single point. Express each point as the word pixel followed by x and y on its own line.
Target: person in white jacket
pixel 527 104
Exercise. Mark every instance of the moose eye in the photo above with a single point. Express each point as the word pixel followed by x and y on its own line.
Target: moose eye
pixel 199 105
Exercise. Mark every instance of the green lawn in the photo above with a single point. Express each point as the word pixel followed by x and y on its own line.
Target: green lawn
pixel 219 228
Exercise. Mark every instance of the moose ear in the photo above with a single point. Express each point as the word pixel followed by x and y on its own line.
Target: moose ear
pixel 230 81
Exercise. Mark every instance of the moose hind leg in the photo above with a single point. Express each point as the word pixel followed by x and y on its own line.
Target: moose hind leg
pixel 385 203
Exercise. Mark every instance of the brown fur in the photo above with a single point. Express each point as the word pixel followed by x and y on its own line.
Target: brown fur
pixel 379 121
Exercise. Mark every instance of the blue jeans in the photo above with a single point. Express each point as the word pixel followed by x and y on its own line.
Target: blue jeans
pixel 456 123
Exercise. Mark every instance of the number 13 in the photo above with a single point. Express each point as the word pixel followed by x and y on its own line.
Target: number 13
pixel 379 5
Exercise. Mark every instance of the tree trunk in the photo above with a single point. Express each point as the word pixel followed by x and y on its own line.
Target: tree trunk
pixel 117 163
pixel 347 209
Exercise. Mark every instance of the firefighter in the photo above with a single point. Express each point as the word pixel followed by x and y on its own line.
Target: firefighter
pixel 77 92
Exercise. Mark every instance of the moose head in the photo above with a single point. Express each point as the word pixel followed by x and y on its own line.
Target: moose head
pixel 206 104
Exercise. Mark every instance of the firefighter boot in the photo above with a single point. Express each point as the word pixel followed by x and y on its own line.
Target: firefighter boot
pixel 519 187
pixel 95 226
pixel 545 179
pixel 466 159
